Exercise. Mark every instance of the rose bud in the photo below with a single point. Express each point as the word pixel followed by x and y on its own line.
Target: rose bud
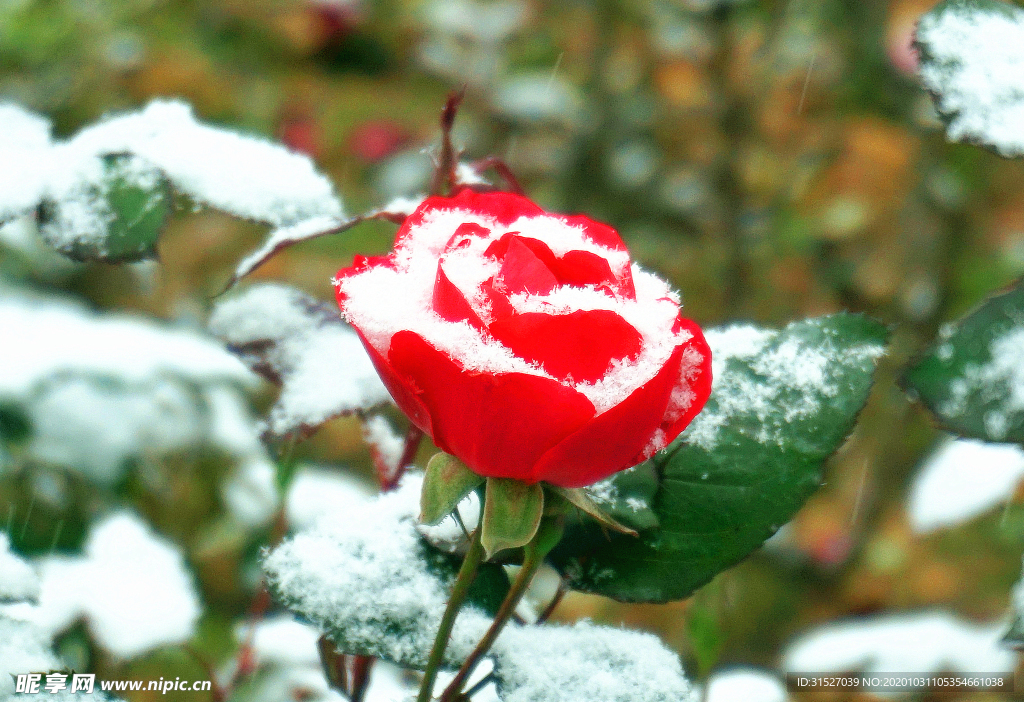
pixel 526 343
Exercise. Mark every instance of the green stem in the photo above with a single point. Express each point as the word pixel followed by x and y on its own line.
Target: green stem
pixel 459 591
pixel 547 536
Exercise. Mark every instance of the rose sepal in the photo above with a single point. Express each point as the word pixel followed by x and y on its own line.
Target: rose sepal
pixel 446 482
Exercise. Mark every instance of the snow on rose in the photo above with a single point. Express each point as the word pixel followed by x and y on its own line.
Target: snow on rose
pixel 526 343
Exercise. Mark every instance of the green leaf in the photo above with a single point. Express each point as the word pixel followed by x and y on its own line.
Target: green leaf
pixel 115 219
pixel 782 402
pixel 446 483
pixel 627 496
pixel 977 87
pixel 972 378
pixel 511 515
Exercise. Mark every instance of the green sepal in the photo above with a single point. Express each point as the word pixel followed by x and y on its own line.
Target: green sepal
pixel 581 499
pixel 446 483
pixel 511 515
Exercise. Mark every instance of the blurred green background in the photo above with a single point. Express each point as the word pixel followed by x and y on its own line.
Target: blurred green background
pixel 774 160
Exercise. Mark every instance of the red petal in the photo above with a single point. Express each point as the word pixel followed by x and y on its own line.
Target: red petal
pixel 450 303
pixel 405 395
pixel 499 425
pixel 523 271
pixel 580 344
pixel 598 233
pixel 504 207
pixel 615 440
pixel 700 385
pixel 581 268
pixel 462 235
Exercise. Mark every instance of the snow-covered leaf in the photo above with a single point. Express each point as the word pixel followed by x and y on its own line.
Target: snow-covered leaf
pixel 18 581
pixel 782 402
pixel 23 177
pixel 962 479
pixel 242 175
pixel 126 387
pixel 585 662
pixel 972 378
pixel 103 194
pixel 302 345
pixel 113 212
pixel 130 585
pixel 367 579
pixel 923 643
pixel 24 648
pixel 972 60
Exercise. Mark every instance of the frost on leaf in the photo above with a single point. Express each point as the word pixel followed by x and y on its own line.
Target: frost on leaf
pixel 103 193
pixel 131 587
pixel 125 388
pixel 972 60
pixel 961 479
pixel 302 345
pixel 972 378
pixel 366 578
pixel 587 663
pixel 781 403
pixel 922 643
pixel 18 581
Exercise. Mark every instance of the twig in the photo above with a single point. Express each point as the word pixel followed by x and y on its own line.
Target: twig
pixel 502 169
pixel 361 667
pixel 553 604
pixel 444 174
pixel 334 665
pixel 467 573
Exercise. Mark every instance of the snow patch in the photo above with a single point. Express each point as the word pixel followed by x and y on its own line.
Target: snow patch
pixel 321 364
pixel 745 685
pixel 18 581
pixel 973 63
pixel 962 479
pixel 585 662
pixel 923 643
pixel 130 585
pixel 362 573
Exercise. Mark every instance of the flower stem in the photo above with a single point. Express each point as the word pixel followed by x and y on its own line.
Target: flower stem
pixel 464 579
pixel 547 536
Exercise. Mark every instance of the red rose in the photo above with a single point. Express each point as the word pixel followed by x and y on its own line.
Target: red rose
pixel 525 343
